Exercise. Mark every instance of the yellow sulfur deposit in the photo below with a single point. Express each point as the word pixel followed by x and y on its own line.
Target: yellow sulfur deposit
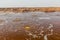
pixel 27 27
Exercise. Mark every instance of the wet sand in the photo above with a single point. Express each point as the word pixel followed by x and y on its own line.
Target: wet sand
pixel 30 26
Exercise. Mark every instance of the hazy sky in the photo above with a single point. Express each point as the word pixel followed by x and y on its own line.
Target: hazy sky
pixel 29 3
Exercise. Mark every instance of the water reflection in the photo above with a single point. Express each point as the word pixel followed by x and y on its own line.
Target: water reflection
pixel 30 26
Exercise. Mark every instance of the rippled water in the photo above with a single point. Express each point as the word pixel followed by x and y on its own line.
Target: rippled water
pixel 30 26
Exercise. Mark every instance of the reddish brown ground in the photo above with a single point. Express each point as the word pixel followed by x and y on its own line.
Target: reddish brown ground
pixel 31 9
pixel 21 34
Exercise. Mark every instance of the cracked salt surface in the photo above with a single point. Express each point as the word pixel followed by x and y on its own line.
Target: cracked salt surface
pixel 34 18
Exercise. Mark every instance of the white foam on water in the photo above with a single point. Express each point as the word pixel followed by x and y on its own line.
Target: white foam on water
pixel 30 34
pixel 45 37
pixel 50 26
pixel 44 18
pixel 34 36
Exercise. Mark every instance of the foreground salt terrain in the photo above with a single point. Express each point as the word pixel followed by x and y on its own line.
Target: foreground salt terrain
pixel 30 26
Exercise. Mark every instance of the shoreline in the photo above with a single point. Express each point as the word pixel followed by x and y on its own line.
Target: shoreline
pixel 31 9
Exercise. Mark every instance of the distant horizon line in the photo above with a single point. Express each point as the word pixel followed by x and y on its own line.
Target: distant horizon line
pixel 31 9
